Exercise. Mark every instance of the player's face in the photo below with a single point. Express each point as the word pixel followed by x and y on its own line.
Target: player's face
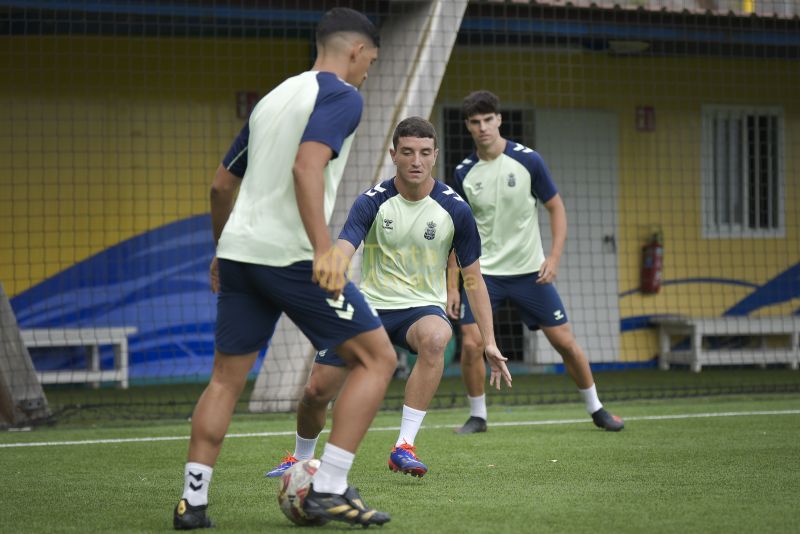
pixel 484 128
pixel 414 158
pixel 362 58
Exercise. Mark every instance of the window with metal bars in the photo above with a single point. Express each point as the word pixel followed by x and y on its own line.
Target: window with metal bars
pixel 743 172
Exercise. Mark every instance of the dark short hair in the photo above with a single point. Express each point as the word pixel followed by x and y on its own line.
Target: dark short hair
pixel 480 102
pixel 415 127
pixel 344 19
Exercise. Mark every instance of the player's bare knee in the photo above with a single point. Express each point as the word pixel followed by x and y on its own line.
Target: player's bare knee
pixel 434 344
pixel 567 347
pixel 315 396
pixel 387 358
pixel 431 359
pixel 227 385
pixel 471 348
pixel 382 358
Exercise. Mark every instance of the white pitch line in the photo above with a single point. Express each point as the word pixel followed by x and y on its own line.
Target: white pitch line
pixel 394 428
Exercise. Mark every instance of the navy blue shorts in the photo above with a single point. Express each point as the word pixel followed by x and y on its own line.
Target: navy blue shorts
pixel 252 297
pixel 396 322
pixel 538 304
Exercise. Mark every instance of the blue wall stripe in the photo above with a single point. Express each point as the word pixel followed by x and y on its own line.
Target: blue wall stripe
pixel 701 280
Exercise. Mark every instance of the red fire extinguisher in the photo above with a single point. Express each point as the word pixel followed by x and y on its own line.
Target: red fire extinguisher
pixel 652 264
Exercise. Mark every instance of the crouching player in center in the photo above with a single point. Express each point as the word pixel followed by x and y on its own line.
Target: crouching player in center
pixel 409 224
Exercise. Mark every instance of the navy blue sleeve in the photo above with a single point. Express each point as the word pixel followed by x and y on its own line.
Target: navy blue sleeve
pixel 336 114
pixel 457 183
pixel 460 173
pixel 359 220
pixel 542 186
pixel 466 240
pixel 236 158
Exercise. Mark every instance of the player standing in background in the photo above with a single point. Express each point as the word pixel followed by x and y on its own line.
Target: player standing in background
pixel 504 183
pixel 287 162
pixel 408 224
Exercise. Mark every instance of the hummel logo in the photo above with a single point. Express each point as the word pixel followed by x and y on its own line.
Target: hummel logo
pixel 198 477
pixel 558 314
pixel 342 308
pixel 522 148
pixel 465 162
pixel 375 190
pixel 449 191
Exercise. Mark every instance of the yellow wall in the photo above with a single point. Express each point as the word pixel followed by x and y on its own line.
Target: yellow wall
pixel 105 138
pixel 659 172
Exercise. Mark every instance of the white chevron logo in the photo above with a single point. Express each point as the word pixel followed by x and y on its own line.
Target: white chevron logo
pixel 342 308
pixel 375 190
pixel 525 150
pixel 449 191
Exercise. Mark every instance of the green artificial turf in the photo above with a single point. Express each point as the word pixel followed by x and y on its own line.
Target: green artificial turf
pixel 707 464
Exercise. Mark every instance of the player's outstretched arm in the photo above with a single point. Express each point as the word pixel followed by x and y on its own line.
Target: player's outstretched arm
pixel 478 297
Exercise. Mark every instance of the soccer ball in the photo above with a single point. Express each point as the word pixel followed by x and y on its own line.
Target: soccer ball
pixel 294 486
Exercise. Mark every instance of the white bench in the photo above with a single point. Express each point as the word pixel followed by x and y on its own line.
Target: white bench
pixel 92 339
pixel 696 329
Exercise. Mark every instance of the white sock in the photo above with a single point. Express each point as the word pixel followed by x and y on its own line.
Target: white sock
pixel 590 398
pixel 331 477
pixel 477 406
pixel 196 478
pixel 409 425
pixel 304 448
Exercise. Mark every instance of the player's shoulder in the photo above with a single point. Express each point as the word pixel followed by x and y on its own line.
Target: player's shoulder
pixel 330 85
pixel 466 165
pixel 379 193
pixel 523 154
pixel 448 199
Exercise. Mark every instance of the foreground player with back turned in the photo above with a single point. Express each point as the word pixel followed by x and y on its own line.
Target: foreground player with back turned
pixel 274 255
pixel 504 183
pixel 408 225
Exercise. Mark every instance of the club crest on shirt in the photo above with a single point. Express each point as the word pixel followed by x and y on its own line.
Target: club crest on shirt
pixel 430 231
pixel 511 180
pixel 387 224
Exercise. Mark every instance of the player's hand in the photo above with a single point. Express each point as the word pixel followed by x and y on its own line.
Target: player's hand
pixel 330 270
pixel 497 365
pixel 548 271
pixel 213 275
pixel 453 304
